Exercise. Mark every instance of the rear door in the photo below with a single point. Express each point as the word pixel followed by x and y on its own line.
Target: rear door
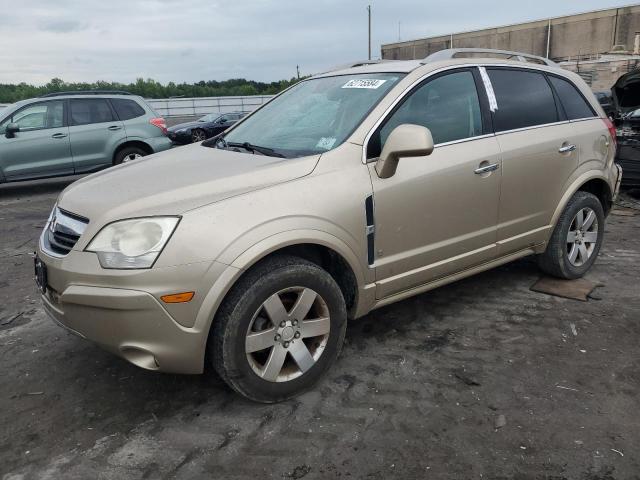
pixel 536 142
pixel 41 147
pixel 94 132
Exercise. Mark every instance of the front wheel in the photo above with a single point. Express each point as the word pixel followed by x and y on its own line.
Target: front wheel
pixel 279 329
pixel 577 238
pixel 198 136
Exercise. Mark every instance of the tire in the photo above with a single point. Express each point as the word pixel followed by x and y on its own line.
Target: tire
pixel 198 135
pixel 127 154
pixel 243 312
pixel 566 243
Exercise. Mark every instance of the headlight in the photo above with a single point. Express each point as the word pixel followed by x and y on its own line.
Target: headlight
pixel 134 243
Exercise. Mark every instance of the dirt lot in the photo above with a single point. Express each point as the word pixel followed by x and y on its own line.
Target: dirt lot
pixel 418 392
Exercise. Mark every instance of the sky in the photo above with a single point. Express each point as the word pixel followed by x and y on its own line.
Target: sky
pixel 192 40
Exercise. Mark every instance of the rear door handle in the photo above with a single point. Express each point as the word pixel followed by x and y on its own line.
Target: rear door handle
pixel 567 148
pixel 59 135
pixel 486 168
pixel 113 128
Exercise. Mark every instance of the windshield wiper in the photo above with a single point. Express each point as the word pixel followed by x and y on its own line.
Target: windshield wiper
pixel 255 148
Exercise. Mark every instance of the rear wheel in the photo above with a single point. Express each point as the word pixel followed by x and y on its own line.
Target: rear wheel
pixel 128 154
pixel 577 238
pixel 279 329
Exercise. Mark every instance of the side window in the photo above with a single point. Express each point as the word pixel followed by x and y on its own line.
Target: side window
pixel 38 116
pixel 525 99
pixel 84 111
pixel 127 109
pixel 447 105
pixel 573 102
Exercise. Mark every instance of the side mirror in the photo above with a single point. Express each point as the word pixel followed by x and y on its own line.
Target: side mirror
pixel 11 130
pixel 222 121
pixel 405 140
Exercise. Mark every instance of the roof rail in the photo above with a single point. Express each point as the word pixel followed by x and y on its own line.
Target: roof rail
pixel 362 63
pixel 87 92
pixel 454 52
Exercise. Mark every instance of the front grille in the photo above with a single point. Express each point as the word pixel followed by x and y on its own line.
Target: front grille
pixel 63 231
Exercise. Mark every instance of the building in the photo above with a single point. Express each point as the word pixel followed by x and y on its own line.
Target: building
pixel 598 44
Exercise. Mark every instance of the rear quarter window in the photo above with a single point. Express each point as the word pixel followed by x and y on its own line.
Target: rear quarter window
pixel 127 109
pixel 524 98
pixel 575 105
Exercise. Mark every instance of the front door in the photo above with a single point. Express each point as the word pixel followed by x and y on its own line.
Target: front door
pixel 437 215
pixel 41 147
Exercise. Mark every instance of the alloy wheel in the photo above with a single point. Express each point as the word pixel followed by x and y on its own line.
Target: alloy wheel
pixel 198 136
pixel 582 237
pixel 130 157
pixel 287 334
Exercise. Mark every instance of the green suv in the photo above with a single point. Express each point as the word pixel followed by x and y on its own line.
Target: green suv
pixel 76 132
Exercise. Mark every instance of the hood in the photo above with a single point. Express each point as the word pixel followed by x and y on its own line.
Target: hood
pixel 626 93
pixel 180 126
pixel 172 182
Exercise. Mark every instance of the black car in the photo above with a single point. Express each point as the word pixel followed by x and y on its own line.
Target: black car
pixel 203 128
pixel 625 95
pixel 606 101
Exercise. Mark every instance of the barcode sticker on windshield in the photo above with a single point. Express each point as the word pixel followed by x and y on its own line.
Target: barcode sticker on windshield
pixel 363 83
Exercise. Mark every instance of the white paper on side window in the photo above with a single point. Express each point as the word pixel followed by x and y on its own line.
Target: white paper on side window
pixel 493 103
pixel 363 83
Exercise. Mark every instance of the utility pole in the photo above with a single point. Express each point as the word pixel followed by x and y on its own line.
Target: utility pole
pixel 399 37
pixel 369 11
pixel 298 71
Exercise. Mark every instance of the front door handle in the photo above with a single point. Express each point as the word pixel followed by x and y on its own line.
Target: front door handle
pixel 59 135
pixel 486 168
pixel 113 128
pixel 567 148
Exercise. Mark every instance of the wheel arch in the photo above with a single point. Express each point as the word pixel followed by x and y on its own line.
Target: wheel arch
pixel 596 184
pixel 318 247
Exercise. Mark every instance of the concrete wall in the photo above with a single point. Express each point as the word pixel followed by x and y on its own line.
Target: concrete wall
pixel 601 74
pixel 584 34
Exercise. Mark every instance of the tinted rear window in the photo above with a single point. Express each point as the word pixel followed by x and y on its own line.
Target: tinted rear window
pixel 84 111
pixel 127 109
pixel 573 102
pixel 525 99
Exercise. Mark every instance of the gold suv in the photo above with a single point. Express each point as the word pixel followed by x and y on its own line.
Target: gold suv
pixel 349 191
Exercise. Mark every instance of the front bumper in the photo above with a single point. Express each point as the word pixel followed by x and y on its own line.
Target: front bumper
pixel 122 312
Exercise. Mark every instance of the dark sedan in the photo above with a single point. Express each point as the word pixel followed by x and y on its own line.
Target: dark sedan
pixel 206 127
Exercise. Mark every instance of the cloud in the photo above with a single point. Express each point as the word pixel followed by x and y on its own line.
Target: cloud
pixel 187 41
pixel 62 25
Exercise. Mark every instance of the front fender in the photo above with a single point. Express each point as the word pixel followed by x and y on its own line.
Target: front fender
pixel 259 250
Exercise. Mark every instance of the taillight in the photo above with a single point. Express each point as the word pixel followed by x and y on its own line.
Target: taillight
pixel 160 123
pixel 612 130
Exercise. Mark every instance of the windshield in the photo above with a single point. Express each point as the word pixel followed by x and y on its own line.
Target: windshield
pixel 314 116
pixel 209 118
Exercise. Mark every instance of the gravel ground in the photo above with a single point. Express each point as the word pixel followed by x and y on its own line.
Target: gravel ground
pixel 479 379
